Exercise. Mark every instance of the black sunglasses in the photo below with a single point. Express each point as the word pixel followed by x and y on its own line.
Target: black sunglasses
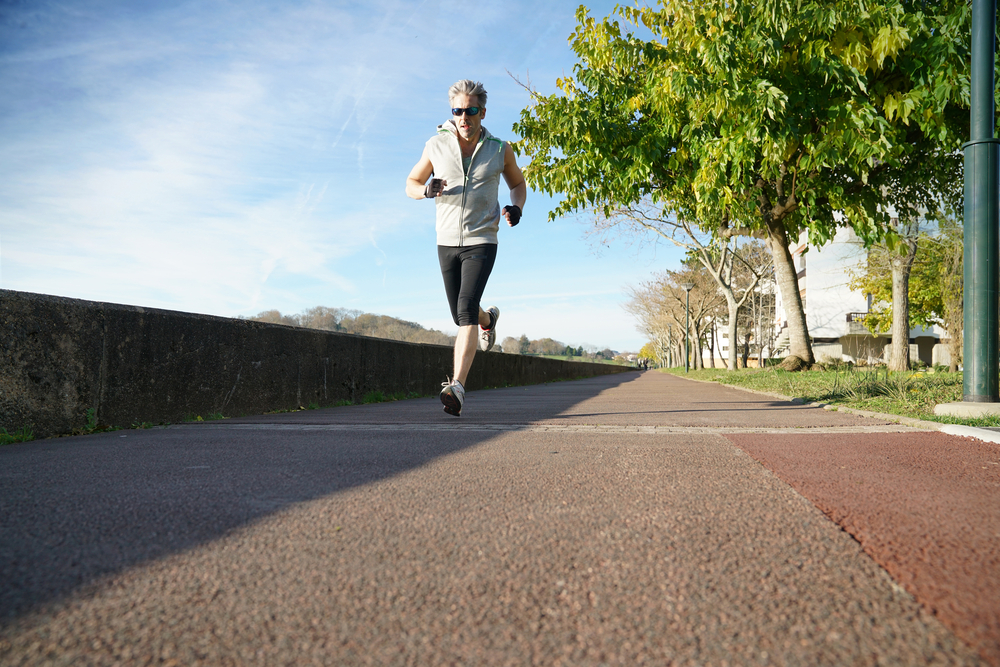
pixel 471 111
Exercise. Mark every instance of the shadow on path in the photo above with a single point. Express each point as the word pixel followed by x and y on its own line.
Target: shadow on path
pixel 76 509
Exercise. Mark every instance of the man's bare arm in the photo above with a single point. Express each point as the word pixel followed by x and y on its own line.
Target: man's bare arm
pixel 416 182
pixel 515 181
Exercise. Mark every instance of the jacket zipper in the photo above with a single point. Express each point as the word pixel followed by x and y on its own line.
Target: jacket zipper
pixel 465 185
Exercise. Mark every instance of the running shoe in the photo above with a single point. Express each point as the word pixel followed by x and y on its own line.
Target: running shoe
pixel 487 337
pixel 453 396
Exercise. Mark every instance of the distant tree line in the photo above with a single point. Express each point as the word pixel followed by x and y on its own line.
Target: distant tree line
pixel 552 348
pixel 357 322
pixel 383 326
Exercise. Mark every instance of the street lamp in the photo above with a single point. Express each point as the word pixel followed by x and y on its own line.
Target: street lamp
pixel 981 245
pixel 687 324
pixel 981 383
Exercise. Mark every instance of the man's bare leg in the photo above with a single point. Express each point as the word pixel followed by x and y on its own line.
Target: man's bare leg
pixel 466 344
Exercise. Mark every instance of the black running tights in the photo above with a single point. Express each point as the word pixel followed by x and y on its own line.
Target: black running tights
pixel 465 271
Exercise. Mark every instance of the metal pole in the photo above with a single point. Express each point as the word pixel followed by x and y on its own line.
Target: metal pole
pixel 687 331
pixel 982 218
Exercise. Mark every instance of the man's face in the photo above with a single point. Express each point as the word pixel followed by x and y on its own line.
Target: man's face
pixel 468 126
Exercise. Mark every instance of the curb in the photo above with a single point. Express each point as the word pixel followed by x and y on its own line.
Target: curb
pixel 949 429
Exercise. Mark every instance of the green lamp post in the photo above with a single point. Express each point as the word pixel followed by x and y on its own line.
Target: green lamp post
pixel 982 218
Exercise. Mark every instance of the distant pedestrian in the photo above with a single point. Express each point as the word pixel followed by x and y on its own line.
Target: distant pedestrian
pixel 466 163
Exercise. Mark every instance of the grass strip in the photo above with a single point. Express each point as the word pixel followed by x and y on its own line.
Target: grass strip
pixel 875 389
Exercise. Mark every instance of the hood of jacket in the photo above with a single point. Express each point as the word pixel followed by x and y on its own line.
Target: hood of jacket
pixel 450 127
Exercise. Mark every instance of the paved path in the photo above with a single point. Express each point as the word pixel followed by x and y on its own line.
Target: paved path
pixel 632 519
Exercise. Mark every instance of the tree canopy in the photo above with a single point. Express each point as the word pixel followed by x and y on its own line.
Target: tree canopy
pixel 760 118
pixel 803 104
pixel 935 282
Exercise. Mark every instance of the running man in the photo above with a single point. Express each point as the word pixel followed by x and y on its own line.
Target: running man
pixel 466 162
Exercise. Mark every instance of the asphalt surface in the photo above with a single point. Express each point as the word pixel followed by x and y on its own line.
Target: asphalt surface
pixel 631 519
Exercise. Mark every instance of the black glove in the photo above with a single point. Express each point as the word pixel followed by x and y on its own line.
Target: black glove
pixel 514 212
pixel 433 188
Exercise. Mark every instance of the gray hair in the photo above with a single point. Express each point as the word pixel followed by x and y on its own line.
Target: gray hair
pixel 470 88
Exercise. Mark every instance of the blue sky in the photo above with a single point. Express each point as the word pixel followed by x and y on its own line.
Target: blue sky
pixel 234 157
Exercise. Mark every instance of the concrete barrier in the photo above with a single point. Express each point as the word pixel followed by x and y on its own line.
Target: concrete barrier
pixel 60 358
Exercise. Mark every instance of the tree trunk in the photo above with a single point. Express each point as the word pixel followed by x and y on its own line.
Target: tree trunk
pixel 760 335
pixel 953 297
pixel 734 313
pixel 899 359
pixel 697 361
pixel 711 344
pixel 954 334
pixel 788 284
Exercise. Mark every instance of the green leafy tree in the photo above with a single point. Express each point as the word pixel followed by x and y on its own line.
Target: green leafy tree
pixel 934 284
pixel 760 118
pixel 650 353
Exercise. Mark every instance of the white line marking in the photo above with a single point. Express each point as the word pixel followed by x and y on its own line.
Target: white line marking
pixel 558 428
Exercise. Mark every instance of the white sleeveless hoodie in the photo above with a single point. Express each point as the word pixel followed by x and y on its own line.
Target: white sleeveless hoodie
pixel 468 212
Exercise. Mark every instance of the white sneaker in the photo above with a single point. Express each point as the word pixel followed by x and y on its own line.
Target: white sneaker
pixel 487 337
pixel 453 396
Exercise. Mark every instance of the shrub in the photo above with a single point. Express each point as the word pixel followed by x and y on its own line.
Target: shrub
pixel 24 434
pixel 836 363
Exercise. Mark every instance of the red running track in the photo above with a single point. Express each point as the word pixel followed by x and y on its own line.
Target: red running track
pixel 925 506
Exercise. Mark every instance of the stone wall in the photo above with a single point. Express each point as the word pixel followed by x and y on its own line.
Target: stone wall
pixel 61 357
